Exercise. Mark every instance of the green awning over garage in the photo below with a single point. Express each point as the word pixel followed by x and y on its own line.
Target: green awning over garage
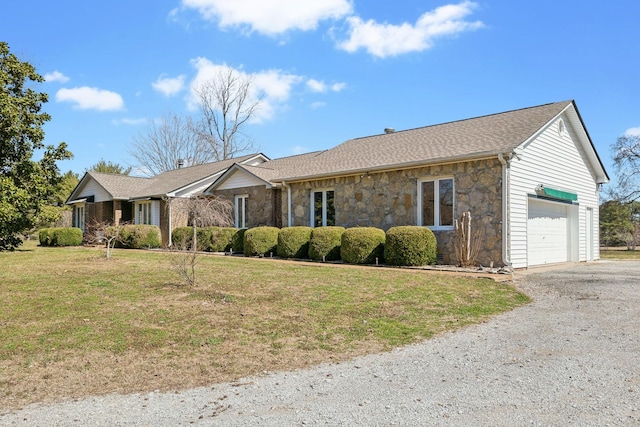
pixel 555 193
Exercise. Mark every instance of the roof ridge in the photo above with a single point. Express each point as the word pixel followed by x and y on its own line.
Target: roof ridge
pixel 464 120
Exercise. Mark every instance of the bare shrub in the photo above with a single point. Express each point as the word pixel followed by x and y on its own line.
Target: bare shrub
pixel 467 241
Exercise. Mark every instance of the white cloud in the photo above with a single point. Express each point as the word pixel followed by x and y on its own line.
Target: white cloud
pixel 321 87
pixel 91 98
pixel 131 122
pixel 271 17
pixel 317 104
pixel 338 87
pixel 56 76
pixel 632 132
pixel 384 40
pixel 273 86
pixel 169 86
pixel 316 86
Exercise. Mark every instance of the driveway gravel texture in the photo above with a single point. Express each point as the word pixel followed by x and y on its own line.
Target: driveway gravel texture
pixel 571 357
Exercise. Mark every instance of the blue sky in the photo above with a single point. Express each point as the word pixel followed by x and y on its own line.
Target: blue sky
pixel 330 70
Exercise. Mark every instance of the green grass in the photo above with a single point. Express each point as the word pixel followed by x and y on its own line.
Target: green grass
pixel 75 323
pixel 621 254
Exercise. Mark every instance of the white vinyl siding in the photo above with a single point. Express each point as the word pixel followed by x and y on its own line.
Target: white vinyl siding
pixel 240 180
pixel 552 158
pixel 92 188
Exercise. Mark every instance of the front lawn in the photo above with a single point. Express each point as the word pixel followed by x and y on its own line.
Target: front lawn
pixel 73 323
pixel 620 253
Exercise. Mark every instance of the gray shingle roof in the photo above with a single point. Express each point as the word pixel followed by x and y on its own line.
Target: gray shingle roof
pixel 464 139
pixel 131 187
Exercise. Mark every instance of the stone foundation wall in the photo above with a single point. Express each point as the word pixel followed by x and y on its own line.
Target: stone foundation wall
pixel 389 199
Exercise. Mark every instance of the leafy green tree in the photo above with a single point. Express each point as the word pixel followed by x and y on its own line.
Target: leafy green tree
pixel 64 188
pixel 619 223
pixel 109 167
pixel 26 185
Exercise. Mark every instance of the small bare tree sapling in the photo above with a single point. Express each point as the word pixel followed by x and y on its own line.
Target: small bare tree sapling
pixel 467 243
pixel 204 212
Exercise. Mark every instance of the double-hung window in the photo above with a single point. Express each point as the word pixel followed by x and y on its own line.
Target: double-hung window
pixel 323 212
pixel 436 203
pixel 143 213
pixel 241 211
pixel 78 220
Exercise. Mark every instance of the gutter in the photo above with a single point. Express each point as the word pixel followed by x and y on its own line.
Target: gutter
pixel 506 216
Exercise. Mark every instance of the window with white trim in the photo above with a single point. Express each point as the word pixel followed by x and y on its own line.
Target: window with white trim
pixel 436 202
pixel 241 211
pixel 78 218
pixel 323 211
pixel 143 213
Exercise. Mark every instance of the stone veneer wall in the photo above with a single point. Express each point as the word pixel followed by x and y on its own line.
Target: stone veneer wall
pixel 261 204
pixel 389 199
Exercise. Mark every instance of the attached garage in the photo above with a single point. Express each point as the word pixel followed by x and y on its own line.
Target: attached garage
pixel 549 232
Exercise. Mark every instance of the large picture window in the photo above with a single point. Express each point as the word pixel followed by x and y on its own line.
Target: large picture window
pixel 436 203
pixel 322 208
pixel 241 211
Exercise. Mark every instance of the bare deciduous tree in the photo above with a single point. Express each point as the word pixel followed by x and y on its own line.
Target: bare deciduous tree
pixel 226 104
pixel 626 158
pixel 102 232
pixel 202 212
pixel 167 141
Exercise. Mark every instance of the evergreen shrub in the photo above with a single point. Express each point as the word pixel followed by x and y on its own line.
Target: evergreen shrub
pixel 325 243
pixel 237 241
pixel 293 242
pixel 139 236
pixel 410 246
pixel 261 241
pixel 362 245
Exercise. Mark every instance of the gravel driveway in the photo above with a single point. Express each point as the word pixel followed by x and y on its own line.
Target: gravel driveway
pixel 572 357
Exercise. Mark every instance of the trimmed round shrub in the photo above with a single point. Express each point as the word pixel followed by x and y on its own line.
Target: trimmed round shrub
pixel 237 241
pixel 139 236
pixel 325 243
pixel 182 238
pixel 261 241
pixel 66 236
pixel 222 238
pixel 362 245
pixel 44 236
pixel 293 242
pixel 410 246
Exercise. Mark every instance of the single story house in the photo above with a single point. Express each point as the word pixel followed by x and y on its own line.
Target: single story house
pixel 530 179
pixel 117 199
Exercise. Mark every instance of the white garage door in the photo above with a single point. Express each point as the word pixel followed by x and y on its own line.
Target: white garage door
pixel 547 233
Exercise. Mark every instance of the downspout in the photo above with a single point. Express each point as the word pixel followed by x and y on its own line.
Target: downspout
pixel 170 243
pixel 289 204
pixel 506 216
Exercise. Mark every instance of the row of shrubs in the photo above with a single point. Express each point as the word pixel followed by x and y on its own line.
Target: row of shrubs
pixel 126 236
pixel 60 236
pixel 140 236
pixel 405 245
